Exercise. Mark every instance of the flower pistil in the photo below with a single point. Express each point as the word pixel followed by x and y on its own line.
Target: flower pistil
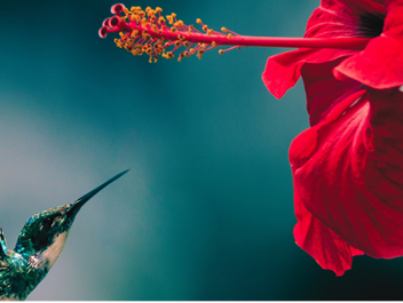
pixel 147 31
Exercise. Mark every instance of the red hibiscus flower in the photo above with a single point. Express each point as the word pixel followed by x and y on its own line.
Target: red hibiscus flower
pixel 348 167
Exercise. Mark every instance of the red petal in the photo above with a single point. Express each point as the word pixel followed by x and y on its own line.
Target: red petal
pixel 325 246
pixel 346 6
pixel 379 65
pixel 348 172
pixel 334 19
pixel 341 18
pixel 390 4
pixel 284 70
pixel 323 91
pixel 394 21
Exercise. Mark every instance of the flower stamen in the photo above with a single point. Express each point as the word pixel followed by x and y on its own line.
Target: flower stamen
pixel 224 30
pixel 222 51
pixel 146 31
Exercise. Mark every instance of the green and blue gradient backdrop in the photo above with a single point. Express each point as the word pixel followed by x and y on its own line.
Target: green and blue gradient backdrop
pixel 206 211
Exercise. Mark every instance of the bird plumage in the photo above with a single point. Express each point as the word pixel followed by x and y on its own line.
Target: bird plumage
pixel 39 245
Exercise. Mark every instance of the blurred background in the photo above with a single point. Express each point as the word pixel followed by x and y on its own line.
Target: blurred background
pixel 206 212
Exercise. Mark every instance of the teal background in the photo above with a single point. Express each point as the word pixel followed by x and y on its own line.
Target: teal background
pixel 206 212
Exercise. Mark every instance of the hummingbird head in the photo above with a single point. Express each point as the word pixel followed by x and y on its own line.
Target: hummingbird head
pixel 43 236
pixel 39 245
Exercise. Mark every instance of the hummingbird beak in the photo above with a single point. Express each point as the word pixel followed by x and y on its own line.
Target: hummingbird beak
pixel 81 201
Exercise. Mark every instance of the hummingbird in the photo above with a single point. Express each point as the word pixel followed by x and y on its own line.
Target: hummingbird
pixel 39 245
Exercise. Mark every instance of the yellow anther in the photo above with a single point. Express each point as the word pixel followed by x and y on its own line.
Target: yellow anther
pixel 139 51
pixel 205 28
pixel 161 20
pixel 142 13
pixel 155 28
pixel 145 35
pixel 198 21
pixel 126 11
pixel 173 15
pixel 158 10
pixel 214 43
pixel 147 9
pixel 221 52
pixel 135 8
pixel 202 44
pixel 170 19
pixel 223 29
pixel 179 23
pixel 180 37
pixel 209 32
pixel 200 53
pixel 169 55
pixel 180 57
pixel 173 29
pixel 150 60
pixel 186 43
pixel 122 19
pixel 160 41
pixel 186 54
pixel 229 36
pixel 178 43
pixel 153 18
pixel 192 51
pixel 134 34
pixel 136 18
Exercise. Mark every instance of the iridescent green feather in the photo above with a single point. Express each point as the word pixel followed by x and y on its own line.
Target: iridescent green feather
pixel 39 244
